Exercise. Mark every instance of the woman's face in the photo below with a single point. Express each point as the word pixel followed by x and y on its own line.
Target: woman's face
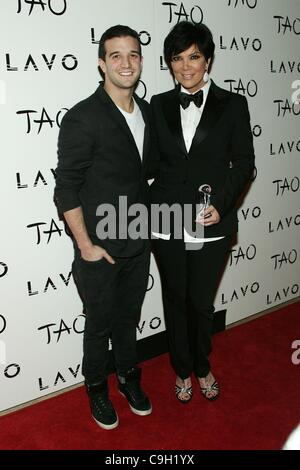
pixel 189 67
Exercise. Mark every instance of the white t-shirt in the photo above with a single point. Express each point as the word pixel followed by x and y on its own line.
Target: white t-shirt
pixel 136 124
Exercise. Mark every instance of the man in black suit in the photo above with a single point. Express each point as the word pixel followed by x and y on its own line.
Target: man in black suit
pixel 206 149
pixel 103 146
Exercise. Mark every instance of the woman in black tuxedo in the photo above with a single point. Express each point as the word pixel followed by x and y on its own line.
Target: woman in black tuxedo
pixel 206 158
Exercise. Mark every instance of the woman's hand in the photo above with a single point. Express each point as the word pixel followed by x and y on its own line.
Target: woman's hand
pixel 209 216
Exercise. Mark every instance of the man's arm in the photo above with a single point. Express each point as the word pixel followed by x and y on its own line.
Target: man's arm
pixel 89 252
pixel 74 158
pixel 75 155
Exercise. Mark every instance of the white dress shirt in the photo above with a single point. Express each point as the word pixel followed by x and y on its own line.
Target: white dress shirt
pixel 190 118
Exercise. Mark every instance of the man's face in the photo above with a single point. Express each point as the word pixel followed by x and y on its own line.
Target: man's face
pixel 189 67
pixel 123 64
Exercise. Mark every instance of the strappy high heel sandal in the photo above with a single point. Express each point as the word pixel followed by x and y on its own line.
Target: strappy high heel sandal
pixel 206 391
pixel 181 390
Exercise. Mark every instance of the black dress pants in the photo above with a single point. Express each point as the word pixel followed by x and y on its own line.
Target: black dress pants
pixel 189 283
pixel 112 295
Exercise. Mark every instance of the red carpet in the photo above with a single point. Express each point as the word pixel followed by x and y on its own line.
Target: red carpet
pixel 258 407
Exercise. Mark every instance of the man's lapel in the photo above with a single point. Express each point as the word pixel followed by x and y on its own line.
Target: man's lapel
pixel 116 115
pixel 147 129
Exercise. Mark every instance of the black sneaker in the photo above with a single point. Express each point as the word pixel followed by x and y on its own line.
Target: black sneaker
pixel 129 386
pixel 101 407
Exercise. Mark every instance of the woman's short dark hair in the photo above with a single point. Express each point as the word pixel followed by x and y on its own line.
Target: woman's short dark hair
pixel 183 35
pixel 117 31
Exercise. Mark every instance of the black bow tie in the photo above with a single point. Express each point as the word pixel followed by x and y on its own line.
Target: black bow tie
pixel 185 99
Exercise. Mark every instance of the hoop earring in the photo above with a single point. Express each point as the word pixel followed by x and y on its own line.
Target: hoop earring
pixel 205 77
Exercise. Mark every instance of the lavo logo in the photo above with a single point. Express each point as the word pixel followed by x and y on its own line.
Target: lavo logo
pixel 49 283
pixel 60 377
pixel 283 294
pixel 154 324
pixel 237 294
pixel 285 147
pixel 285 67
pixel 38 180
pixel 254 213
pixel 284 223
pixel 242 43
pixel 68 62
pixel 59 9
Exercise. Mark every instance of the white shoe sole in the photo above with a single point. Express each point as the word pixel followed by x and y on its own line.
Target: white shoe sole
pixel 134 410
pixel 107 426
pixel 139 412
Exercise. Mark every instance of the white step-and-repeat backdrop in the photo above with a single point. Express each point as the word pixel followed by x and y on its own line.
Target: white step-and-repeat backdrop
pixel 48 62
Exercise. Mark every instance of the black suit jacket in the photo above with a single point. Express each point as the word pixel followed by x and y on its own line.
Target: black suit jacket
pixel 98 161
pixel 221 154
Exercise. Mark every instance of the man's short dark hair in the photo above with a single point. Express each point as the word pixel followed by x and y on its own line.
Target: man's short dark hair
pixel 183 35
pixel 117 31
